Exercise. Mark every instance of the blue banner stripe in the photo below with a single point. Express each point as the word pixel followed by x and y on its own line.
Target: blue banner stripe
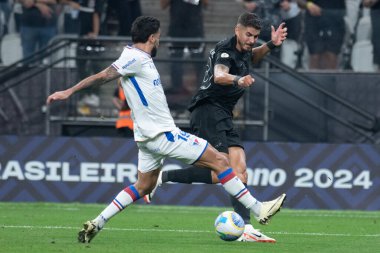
pixel 139 91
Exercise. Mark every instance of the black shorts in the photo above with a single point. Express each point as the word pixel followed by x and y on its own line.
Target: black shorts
pixel 215 125
pixel 324 33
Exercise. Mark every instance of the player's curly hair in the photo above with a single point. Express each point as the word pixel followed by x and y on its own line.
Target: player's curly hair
pixel 143 27
pixel 248 19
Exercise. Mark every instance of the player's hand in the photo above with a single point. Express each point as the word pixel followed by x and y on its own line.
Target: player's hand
pixel 59 95
pixel 246 81
pixel 279 35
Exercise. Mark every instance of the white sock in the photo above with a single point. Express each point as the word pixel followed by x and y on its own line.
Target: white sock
pixel 121 201
pixel 234 186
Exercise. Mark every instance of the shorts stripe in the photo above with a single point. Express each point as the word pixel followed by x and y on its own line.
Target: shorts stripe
pixel 169 136
pixel 201 153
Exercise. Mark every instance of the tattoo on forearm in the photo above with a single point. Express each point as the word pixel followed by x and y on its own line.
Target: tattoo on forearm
pixel 105 76
pixel 111 74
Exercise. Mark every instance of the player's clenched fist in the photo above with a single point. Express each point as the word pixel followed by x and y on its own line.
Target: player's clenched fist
pixel 246 81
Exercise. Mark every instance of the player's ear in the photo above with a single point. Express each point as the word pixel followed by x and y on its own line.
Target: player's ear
pixel 237 29
pixel 151 38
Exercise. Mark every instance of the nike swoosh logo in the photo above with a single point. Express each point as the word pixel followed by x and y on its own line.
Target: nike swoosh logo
pixel 257 235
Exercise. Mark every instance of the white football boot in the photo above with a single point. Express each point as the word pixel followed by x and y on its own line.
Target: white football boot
pixel 252 235
pixel 89 231
pixel 270 208
pixel 148 198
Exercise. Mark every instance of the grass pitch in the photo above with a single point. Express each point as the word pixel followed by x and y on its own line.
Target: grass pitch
pixel 50 227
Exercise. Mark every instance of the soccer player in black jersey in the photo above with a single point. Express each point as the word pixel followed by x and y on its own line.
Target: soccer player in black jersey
pixel 224 83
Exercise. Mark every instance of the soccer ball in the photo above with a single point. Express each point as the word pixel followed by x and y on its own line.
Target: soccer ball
pixel 229 226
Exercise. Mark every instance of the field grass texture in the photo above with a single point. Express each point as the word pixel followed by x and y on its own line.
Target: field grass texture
pixel 52 227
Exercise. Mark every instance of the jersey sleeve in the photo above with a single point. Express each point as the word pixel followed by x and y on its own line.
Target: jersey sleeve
pixel 128 63
pixel 223 57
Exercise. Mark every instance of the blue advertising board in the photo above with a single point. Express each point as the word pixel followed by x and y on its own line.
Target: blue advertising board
pixel 93 170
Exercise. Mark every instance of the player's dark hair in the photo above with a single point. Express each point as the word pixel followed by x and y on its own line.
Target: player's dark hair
pixel 248 19
pixel 143 27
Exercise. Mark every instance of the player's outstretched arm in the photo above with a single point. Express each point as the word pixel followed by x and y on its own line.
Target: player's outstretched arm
pixel 277 38
pixel 100 78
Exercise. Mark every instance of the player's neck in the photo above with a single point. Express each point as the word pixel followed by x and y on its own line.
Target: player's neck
pixel 143 47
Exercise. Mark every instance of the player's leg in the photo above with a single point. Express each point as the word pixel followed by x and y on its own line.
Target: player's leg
pixel 238 162
pixel 194 150
pixel 149 166
pixel 219 163
pixel 189 175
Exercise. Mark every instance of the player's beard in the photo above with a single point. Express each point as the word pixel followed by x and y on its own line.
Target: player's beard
pixel 245 47
pixel 153 53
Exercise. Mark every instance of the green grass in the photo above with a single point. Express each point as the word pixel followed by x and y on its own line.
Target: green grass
pixel 50 227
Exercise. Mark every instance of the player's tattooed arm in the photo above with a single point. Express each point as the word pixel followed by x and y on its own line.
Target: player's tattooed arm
pixel 221 75
pixel 100 78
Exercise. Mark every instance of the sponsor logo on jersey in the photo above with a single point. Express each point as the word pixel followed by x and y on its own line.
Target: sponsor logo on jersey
pixel 157 82
pixel 129 63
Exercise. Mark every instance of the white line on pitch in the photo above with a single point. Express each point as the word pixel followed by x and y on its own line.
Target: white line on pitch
pixel 184 231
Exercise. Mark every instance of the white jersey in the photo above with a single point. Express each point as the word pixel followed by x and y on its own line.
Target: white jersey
pixel 144 93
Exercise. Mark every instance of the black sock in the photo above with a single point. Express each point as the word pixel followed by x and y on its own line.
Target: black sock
pixel 244 212
pixel 188 175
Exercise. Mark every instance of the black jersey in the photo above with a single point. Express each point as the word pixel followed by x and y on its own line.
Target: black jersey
pixel 225 96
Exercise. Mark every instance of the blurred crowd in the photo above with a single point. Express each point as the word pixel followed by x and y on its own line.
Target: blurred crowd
pixel 322 34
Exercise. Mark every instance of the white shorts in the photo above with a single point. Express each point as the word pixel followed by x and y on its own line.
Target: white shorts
pixel 176 144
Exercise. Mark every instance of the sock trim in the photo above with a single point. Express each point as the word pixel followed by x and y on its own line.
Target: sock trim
pixel 131 190
pixel 118 204
pixel 241 193
pixel 226 176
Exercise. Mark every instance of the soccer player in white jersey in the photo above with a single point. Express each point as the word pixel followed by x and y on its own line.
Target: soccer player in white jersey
pixel 156 135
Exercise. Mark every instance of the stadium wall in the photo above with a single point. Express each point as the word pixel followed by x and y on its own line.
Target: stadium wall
pixel 93 170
